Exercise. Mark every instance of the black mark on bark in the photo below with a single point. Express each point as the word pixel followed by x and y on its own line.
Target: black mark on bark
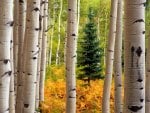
pixel 139 51
pixel 21 1
pixel 139 20
pixel 141 100
pixel 6 61
pixel 135 108
pixel 132 55
pixel 26 105
pixel 73 35
pixel 140 80
pixel 11 23
pixel 36 9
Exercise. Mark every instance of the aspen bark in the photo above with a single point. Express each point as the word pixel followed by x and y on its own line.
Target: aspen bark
pixel 32 31
pixel 134 96
pixel 15 40
pixel 118 61
pixel 52 34
pixel 20 75
pixel 147 95
pixel 40 50
pixel 43 54
pixel 59 36
pixel 12 88
pixel 6 29
pixel 109 58
pixel 71 57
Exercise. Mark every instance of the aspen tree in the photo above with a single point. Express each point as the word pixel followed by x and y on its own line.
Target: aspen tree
pixel 147 98
pixel 15 40
pixel 6 28
pixel 118 61
pixel 134 80
pixel 12 88
pixel 109 58
pixel 71 57
pixel 20 75
pixel 43 54
pixel 15 36
pixel 32 31
pixel 59 36
pixel 52 32
pixel 40 50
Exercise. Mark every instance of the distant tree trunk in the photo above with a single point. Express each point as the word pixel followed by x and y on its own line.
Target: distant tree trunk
pixel 59 36
pixel 6 28
pixel 78 26
pixel 52 34
pixel 71 57
pixel 32 31
pixel 21 34
pixel 134 57
pixel 43 54
pixel 40 50
pixel 109 58
pixel 118 61
pixel 106 24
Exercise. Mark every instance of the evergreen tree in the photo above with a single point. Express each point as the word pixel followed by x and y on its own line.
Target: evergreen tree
pixel 90 52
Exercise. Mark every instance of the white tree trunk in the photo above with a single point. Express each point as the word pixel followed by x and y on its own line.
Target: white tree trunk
pixel 134 56
pixel 147 108
pixel 118 61
pixel 59 36
pixel 71 57
pixel 20 75
pixel 40 50
pixel 15 40
pixel 52 34
pixel 43 54
pixel 12 88
pixel 6 25
pixel 109 58
pixel 32 31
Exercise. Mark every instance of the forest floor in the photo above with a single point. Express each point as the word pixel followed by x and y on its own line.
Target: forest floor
pixel 89 98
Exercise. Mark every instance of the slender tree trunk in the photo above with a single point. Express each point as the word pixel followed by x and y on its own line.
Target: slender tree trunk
pixel 32 31
pixel 59 34
pixel 43 54
pixel 109 58
pixel 52 34
pixel 78 26
pixel 21 34
pixel 40 50
pixel 118 61
pixel 15 40
pixel 147 103
pixel 71 57
pixel 106 23
pixel 12 88
pixel 134 57
pixel 6 26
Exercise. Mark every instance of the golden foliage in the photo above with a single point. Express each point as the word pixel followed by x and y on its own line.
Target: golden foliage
pixel 89 98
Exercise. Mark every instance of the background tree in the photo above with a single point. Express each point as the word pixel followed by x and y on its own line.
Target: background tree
pixel 90 53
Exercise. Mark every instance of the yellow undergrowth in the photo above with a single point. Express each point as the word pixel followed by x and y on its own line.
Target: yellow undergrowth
pixel 89 98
